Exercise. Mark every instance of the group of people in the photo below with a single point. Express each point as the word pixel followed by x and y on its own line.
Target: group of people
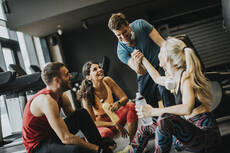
pixel 185 120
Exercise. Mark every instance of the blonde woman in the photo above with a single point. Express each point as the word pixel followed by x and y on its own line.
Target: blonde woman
pixel 189 125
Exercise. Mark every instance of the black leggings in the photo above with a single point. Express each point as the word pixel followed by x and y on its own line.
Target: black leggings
pixel 79 120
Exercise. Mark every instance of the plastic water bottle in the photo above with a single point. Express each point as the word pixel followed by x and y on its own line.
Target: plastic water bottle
pixel 112 115
pixel 140 100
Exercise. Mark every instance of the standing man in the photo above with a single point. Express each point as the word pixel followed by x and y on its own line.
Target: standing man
pixel 135 40
pixel 44 130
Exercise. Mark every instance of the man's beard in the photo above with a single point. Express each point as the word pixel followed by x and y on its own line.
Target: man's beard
pixel 65 85
pixel 131 39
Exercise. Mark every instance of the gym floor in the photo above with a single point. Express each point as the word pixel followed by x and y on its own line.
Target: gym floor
pixel 223 118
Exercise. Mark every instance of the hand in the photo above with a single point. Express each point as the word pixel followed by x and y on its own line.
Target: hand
pixel 122 130
pixel 137 56
pixel 115 107
pixel 144 111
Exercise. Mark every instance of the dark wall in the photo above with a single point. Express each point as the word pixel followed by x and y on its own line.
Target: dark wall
pixel 97 41
pixel 92 44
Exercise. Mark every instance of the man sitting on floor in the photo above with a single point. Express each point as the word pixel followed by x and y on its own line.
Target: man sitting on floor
pixel 44 130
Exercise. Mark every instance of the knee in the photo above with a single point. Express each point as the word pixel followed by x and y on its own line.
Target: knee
pixel 164 121
pixel 132 114
pixel 82 114
pixel 130 105
pixel 106 132
pixel 165 115
pixel 83 111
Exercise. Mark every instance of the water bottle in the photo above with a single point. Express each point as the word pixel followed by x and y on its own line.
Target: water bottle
pixel 112 115
pixel 140 100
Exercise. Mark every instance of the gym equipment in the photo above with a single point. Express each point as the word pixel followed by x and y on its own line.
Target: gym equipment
pixel 6 77
pixel 35 68
pixel 16 68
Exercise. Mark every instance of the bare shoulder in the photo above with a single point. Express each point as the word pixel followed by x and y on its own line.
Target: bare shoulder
pixel 44 100
pixel 107 79
pixel 40 99
pixel 40 102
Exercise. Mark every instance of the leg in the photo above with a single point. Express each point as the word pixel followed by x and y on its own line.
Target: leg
pixel 186 132
pixel 132 120
pixel 106 132
pixel 177 144
pixel 52 146
pixel 128 113
pixel 140 140
pixel 81 120
pixel 132 129
pixel 149 91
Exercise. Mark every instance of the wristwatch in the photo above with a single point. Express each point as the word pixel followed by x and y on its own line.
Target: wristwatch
pixel 119 103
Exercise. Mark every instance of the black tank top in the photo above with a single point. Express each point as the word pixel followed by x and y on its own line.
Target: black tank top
pixel 178 95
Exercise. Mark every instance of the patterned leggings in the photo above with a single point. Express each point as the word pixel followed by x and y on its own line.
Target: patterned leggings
pixel 197 134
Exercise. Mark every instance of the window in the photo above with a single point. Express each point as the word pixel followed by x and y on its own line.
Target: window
pixel 16 48
pixel 8 56
pixel 2 14
pixel 4 32
pixel 6 129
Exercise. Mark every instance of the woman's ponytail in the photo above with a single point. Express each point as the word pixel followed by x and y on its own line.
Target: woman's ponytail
pixel 199 81
pixel 86 91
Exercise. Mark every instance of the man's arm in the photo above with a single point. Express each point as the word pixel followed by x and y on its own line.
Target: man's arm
pixel 135 60
pixel 156 37
pixel 130 60
pixel 49 107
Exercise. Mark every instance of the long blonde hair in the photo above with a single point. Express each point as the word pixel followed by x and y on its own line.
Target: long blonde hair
pixel 184 57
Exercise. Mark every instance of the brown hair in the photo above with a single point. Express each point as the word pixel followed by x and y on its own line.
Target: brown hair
pixel 116 21
pixel 50 71
pixel 86 90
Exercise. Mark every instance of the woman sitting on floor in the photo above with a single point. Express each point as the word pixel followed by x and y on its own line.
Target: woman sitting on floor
pixel 189 125
pixel 96 88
